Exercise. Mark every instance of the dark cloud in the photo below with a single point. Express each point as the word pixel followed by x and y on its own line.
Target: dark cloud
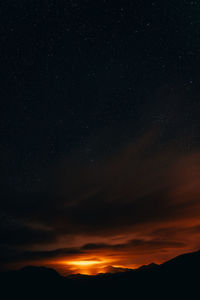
pixel 136 244
pixel 29 256
pixel 15 232
pixel 20 256
pixel 26 236
pixel 140 191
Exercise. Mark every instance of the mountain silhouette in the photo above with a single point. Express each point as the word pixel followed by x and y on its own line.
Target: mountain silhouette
pixel 112 270
pixel 177 278
pixel 150 266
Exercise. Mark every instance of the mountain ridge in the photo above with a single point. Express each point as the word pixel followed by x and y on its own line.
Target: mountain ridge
pixel 178 276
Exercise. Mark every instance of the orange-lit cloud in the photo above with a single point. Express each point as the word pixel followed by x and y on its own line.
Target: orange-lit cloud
pixel 139 206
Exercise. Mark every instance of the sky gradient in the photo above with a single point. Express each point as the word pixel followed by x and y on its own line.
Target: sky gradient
pixel 100 152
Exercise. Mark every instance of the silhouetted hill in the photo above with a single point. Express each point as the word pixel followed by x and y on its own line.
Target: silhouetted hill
pixel 150 266
pixel 112 270
pixel 185 262
pixel 39 272
pixel 174 279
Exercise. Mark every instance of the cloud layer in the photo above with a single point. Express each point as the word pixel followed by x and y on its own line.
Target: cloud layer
pixel 140 204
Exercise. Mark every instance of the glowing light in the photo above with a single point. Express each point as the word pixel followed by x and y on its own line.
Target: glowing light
pixel 86 265
pixel 85 262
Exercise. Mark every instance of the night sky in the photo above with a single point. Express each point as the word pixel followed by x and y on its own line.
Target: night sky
pixel 99 127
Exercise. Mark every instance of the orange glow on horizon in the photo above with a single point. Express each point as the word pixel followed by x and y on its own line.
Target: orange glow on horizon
pixel 87 266
pixel 84 262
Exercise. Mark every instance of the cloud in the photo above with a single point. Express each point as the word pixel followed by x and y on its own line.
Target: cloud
pixel 132 245
pixel 147 191
pixel 87 250
pixel 24 235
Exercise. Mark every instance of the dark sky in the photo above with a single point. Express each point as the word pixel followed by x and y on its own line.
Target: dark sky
pixel 99 126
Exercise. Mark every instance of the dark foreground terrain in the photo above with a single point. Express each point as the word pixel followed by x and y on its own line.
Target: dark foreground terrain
pixel 178 278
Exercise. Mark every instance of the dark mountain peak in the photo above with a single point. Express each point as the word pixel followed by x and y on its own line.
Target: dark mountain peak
pixel 39 275
pixel 112 269
pixel 186 261
pixel 172 280
pixel 150 266
pixel 39 270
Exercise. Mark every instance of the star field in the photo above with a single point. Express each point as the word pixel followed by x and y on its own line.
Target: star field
pixel 81 83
